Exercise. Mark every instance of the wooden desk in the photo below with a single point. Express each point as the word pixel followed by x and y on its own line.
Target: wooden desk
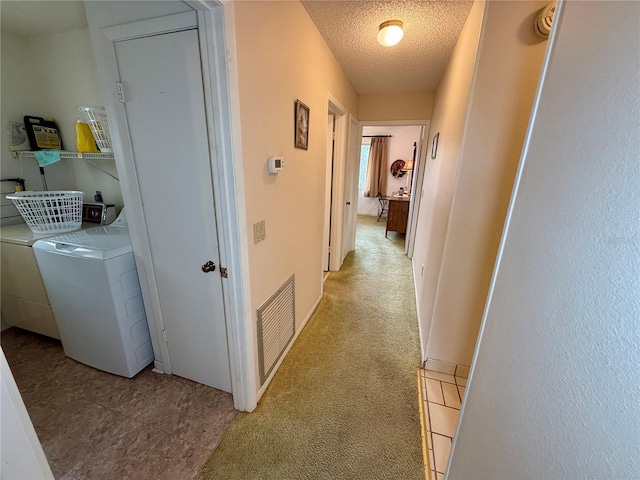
pixel 398 214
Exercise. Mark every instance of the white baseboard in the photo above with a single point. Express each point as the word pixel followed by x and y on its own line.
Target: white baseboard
pixel 158 366
pixel 423 345
pixel 286 352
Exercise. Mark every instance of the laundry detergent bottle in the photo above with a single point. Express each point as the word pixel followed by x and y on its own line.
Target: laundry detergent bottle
pixel 84 138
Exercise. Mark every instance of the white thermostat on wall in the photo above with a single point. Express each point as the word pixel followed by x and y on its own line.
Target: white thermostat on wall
pixel 275 164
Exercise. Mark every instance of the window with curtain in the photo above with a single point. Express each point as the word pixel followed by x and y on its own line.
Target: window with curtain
pixel 364 159
pixel 376 182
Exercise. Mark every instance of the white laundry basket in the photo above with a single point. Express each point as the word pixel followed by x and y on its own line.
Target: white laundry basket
pixel 96 118
pixel 56 211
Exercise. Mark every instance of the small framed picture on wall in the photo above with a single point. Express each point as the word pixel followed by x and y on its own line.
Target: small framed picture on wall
pixel 301 125
pixel 434 145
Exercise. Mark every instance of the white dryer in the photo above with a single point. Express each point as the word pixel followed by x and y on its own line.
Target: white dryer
pixel 93 288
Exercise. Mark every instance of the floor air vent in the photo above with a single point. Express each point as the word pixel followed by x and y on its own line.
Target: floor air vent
pixel 276 326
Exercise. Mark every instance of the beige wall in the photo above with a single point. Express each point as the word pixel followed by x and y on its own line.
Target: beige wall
pixel 510 58
pixel 554 389
pixel 449 115
pixel 396 106
pixel 282 57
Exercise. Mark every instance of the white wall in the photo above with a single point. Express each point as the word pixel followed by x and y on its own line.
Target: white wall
pixel 105 13
pixel 67 71
pixel 400 147
pixel 24 92
pixel 554 389
pixel 510 57
pixel 449 116
pixel 21 454
pixel 50 76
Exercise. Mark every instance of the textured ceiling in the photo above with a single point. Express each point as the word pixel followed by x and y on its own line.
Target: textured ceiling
pixel 416 64
pixel 29 18
pixel 349 27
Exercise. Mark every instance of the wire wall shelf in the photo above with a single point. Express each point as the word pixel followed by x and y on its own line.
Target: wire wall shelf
pixel 63 155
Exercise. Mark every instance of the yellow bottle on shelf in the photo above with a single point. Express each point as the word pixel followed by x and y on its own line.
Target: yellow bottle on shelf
pixel 84 139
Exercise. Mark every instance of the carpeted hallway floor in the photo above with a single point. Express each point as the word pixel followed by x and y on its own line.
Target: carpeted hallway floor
pixel 344 403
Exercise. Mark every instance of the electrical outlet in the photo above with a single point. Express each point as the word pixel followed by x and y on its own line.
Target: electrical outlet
pixel 259 231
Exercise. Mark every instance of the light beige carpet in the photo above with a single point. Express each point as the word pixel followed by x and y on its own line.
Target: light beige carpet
pixel 344 403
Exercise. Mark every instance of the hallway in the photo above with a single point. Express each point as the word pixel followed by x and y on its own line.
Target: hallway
pixel 344 403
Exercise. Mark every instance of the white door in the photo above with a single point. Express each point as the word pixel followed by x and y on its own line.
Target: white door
pixel 417 177
pixel 351 189
pixel 162 80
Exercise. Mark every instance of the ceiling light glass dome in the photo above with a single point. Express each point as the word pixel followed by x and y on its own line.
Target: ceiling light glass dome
pixel 390 33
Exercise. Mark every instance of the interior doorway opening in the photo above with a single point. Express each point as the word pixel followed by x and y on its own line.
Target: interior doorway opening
pixel 403 167
pixel 336 196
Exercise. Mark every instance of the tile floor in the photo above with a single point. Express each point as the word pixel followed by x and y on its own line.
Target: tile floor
pixel 443 395
pixel 94 425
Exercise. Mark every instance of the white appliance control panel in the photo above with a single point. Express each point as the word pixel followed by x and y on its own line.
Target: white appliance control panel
pixel 99 213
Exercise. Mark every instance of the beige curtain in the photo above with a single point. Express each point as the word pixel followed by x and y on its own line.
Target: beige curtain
pixel 376 181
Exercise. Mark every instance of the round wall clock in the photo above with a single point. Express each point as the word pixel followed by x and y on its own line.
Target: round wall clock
pixel 396 168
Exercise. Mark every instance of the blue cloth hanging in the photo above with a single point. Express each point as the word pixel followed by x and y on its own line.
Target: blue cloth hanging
pixel 47 157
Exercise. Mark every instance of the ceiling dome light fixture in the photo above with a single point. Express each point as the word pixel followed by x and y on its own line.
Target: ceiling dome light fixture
pixel 390 33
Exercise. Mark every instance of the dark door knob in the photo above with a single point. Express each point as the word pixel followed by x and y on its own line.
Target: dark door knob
pixel 348 203
pixel 208 267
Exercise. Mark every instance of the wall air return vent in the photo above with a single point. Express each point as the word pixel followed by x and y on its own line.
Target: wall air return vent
pixel 276 327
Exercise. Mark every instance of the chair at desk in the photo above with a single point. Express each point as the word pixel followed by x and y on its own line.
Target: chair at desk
pixel 384 206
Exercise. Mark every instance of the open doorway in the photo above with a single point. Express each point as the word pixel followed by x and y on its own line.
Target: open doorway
pixel 336 198
pixel 402 168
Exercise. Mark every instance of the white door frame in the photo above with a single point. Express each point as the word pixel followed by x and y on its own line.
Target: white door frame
pixel 221 99
pixel 353 164
pixel 217 45
pixel 337 187
pixel 416 180
pixel 329 152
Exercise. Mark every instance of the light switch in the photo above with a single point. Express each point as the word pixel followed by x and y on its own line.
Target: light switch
pixel 259 231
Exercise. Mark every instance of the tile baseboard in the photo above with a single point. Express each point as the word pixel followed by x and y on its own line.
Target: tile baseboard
pixel 446 367
pixel 424 430
pixel 462 371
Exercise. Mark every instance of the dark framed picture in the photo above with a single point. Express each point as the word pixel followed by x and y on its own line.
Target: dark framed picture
pixel 301 125
pixel 434 145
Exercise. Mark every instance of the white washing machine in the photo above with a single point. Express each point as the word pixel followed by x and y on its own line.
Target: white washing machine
pixel 93 288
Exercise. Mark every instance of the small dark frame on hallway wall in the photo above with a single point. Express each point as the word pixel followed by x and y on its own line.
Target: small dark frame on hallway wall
pixel 301 122
pixel 434 146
